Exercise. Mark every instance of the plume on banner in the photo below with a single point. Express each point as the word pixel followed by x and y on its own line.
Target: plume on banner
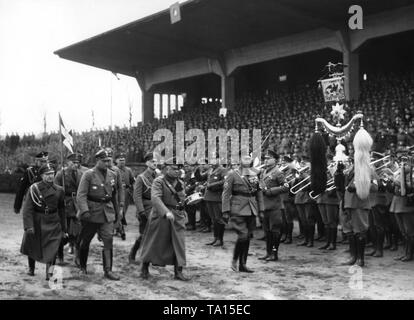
pixel 67 138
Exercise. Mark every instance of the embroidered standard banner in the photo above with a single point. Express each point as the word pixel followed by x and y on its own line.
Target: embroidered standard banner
pixel 333 89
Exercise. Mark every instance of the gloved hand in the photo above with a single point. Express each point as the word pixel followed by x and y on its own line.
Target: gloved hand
pixel 170 216
pixel 261 214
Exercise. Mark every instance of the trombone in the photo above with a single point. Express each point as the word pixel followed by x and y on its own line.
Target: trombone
pixel 300 185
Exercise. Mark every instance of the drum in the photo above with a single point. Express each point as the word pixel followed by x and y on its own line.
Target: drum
pixel 194 198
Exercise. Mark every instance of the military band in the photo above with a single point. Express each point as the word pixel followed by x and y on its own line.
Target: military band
pixel 73 205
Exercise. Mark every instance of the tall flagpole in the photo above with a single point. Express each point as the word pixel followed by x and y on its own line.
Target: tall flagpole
pixel 61 151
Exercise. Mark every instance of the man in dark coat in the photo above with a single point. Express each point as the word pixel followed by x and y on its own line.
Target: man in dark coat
pixel 98 211
pixel 164 240
pixel 273 185
pixel 30 176
pixel 242 199
pixel 142 199
pixel 69 179
pixel 43 221
pixel 212 198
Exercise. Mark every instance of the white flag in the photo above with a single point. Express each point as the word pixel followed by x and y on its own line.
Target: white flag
pixel 67 138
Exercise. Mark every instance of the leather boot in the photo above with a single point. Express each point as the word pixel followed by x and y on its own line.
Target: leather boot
pixel 215 232
pixel 284 233
pixel 243 257
pixel 220 235
pixel 133 252
pixel 405 252
pixel 289 234
pixel 360 241
pixel 334 233
pixel 311 235
pixel 145 270
pixel 49 269
pixel 306 236
pixel 394 242
pixel 387 240
pixel 83 259
pixel 328 239
pixel 31 270
pixel 352 250
pixel 60 254
pixel 236 254
pixel 268 246
pixel 107 265
pixel 380 244
pixel 275 247
pixel 178 273
pixel 374 240
pixel 409 255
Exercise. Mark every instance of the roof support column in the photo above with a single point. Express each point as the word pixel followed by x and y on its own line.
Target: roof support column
pixel 161 105
pixel 227 92
pixel 147 106
pixel 147 100
pixel 351 59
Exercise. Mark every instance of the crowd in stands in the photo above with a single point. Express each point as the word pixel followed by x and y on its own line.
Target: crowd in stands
pixel 387 102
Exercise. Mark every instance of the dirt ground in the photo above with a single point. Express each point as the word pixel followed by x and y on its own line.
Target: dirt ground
pixel 301 273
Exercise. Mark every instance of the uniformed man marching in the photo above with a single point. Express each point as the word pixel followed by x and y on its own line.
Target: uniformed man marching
pixel 120 192
pixel 98 211
pixel 31 175
pixel 164 240
pixel 128 180
pixel 273 185
pixel 71 176
pixel 142 199
pixel 212 198
pixel 242 200
pixel 43 221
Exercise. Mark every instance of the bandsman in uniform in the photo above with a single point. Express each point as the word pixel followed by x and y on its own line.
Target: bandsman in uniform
pixel 380 203
pixel 273 184
pixel 71 175
pixel 403 206
pixel 212 198
pixel 164 239
pixel 360 181
pixel 288 206
pixel 328 205
pixel 43 221
pixel 242 201
pixel 31 175
pixel 304 205
pixel 98 211
pixel 142 199
pixel 128 181
pixel 191 185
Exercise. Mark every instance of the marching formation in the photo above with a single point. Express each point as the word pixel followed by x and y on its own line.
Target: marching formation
pixel 370 197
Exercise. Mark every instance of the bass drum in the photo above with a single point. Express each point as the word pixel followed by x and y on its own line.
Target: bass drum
pixel 193 199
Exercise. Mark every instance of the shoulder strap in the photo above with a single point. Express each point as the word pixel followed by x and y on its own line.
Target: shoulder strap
pixel 172 190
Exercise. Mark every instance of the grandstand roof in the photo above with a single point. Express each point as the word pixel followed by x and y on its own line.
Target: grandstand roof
pixel 208 28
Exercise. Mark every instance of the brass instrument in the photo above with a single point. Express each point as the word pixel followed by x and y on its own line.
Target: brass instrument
pixel 300 185
pixel 330 185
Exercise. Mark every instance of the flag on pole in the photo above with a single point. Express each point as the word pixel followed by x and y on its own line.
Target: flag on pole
pixel 67 138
